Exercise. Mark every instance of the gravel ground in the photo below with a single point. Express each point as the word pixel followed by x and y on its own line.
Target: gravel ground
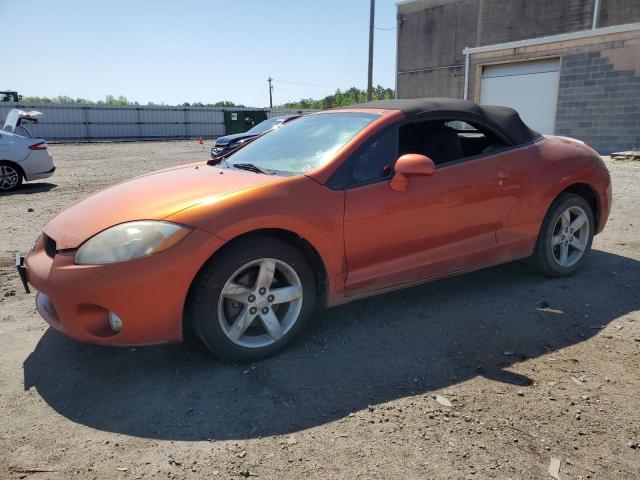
pixel 487 375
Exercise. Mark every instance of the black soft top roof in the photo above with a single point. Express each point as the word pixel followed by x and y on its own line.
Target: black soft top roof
pixel 505 120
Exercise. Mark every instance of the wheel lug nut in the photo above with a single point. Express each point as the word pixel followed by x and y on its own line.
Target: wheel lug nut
pixel 262 291
pixel 252 298
pixel 270 298
pixel 253 310
pixel 265 310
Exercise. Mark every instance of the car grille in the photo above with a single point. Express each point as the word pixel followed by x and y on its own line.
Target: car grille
pixel 49 245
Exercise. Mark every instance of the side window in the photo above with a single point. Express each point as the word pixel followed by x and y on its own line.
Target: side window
pixel 376 160
pixel 446 141
pixel 462 126
pixel 371 163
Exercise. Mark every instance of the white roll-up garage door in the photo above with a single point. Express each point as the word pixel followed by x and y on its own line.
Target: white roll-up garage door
pixel 531 88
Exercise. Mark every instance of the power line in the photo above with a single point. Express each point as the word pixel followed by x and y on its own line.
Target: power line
pixel 303 84
pixel 381 28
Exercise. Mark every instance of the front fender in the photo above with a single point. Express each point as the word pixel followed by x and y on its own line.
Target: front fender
pixel 298 205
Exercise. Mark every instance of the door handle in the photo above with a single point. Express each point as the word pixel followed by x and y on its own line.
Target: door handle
pixel 504 171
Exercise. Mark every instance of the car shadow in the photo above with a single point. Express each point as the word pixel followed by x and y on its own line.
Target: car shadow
pixel 372 351
pixel 30 188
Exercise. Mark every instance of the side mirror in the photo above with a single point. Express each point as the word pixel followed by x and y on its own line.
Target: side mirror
pixel 408 166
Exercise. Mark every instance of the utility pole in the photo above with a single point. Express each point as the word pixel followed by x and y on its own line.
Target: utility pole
pixel 372 15
pixel 270 92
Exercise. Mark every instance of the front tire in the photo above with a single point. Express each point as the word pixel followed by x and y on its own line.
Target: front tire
pixel 250 301
pixel 565 237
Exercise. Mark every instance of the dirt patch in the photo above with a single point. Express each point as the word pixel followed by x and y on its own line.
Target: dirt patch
pixel 487 375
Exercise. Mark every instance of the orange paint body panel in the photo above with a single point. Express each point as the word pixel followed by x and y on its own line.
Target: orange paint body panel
pixel 295 204
pixel 147 294
pixel 153 196
pixel 441 223
pixel 370 238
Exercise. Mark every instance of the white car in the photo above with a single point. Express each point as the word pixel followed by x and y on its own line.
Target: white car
pixel 22 158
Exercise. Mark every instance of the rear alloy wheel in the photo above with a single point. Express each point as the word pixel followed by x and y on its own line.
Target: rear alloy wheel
pixel 570 236
pixel 252 299
pixel 566 236
pixel 10 178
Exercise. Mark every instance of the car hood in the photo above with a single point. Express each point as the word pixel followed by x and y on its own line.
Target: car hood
pixel 154 196
pixel 227 139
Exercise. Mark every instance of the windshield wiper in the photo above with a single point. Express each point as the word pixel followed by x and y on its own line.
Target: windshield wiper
pixel 252 168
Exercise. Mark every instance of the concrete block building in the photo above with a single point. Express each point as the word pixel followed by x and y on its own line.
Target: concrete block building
pixel 570 67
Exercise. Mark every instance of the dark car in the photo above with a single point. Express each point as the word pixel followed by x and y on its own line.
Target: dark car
pixel 227 143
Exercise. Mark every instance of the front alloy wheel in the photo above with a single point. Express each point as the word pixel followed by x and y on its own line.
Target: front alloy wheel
pixel 252 298
pixel 260 303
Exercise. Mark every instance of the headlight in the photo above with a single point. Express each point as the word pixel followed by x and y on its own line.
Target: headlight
pixel 130 240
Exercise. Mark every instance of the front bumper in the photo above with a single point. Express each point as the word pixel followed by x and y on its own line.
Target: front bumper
pixel 147 294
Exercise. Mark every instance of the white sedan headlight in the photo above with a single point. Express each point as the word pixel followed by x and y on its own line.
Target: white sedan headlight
pixel 130 240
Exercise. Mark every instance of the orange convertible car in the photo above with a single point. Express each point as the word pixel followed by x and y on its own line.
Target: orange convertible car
pixel 333 207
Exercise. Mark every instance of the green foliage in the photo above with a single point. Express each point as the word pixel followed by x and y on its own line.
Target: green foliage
pixel 342 98
pixel 119 101
pixel 108 100
pixel 339 99
pixel 225 103
pixel 58 99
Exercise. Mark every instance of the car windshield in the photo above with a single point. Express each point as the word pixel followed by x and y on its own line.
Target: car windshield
pixel 305 144
pixel 265 125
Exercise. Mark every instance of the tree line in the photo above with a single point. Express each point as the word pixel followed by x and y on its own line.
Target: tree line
pixel 339 99
pixel 342 98
pixel 118 101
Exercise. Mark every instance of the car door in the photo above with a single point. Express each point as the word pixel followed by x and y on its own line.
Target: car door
pixel 440 224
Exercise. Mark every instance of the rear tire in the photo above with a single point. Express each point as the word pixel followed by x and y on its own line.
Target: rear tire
pixel 253 299
pixel 565 237
pixel 10 177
